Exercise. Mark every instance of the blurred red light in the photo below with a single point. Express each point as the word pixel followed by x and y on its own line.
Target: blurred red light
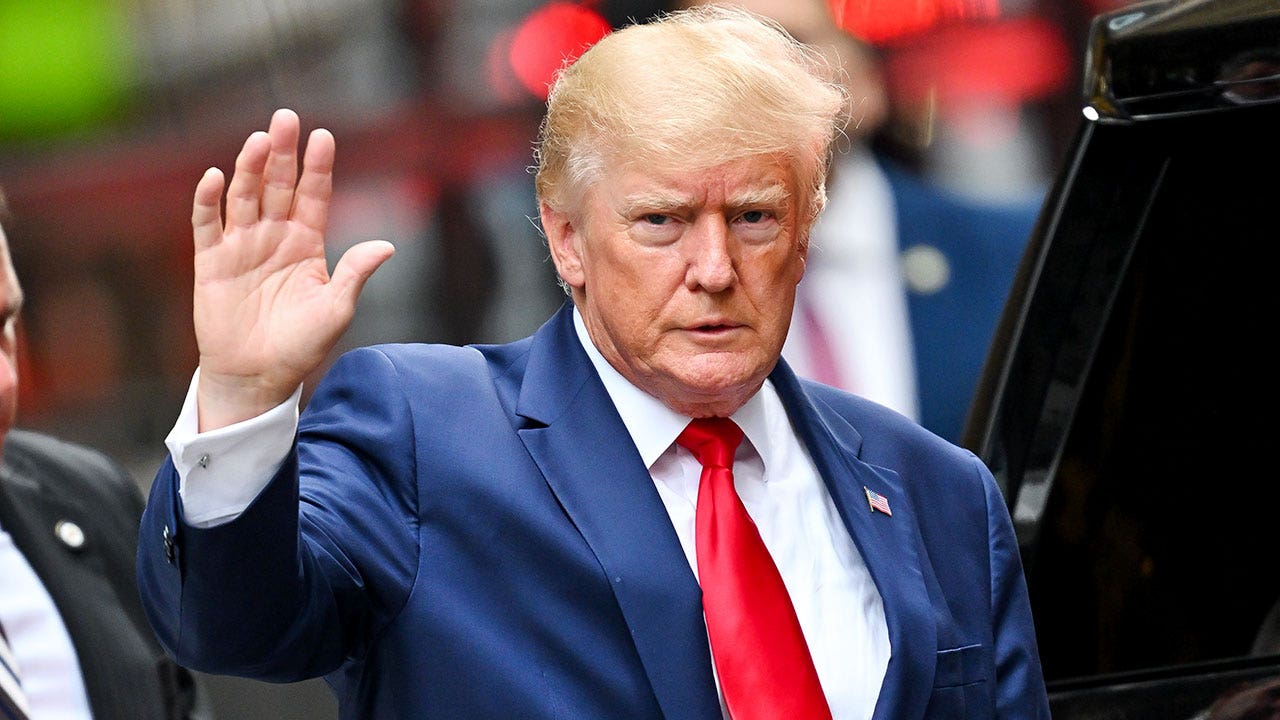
pixel 1009 61
pixel 551 37
pixel 877 21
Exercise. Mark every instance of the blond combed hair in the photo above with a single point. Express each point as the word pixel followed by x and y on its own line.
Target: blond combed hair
pixel 691 89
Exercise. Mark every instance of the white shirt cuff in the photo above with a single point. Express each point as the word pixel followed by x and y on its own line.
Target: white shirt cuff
pixel 220 472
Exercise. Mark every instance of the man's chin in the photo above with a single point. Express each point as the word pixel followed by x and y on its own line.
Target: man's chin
pixel 717 391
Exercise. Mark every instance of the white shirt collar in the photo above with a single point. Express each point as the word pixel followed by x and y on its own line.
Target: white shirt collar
pixel 654 426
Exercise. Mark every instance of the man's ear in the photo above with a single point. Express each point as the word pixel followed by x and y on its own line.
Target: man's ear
pixel 564 241
pixel 802 249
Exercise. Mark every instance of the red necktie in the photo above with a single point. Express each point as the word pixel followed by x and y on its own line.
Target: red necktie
pixel 759 651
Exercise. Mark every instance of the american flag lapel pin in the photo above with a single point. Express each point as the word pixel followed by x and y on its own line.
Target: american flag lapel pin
pixel 877 501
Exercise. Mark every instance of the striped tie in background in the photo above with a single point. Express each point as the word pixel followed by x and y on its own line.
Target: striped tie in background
pixel 13 702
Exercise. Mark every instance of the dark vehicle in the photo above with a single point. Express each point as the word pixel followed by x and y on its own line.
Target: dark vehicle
pixel 1129 403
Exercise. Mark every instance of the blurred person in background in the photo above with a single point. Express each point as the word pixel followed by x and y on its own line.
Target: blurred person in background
pixel 73 639
pixel 906 278
pixel 553 527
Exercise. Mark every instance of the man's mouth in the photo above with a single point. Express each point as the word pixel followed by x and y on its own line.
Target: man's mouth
pixel 714 327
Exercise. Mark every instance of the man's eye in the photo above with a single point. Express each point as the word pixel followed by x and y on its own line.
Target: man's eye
pixel 656 219
pixel 754 216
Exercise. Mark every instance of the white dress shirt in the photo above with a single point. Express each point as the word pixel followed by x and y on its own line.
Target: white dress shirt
pixel 836 602
pixel 854 288
pixel 51 677
pixel 839 609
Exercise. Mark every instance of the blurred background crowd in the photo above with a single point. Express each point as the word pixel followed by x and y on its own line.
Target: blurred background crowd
pixel 110 110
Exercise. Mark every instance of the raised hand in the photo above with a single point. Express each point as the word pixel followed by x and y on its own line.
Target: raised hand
pixel 266 309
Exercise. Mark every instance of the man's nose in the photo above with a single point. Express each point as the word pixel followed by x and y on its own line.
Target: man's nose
pixel 709 263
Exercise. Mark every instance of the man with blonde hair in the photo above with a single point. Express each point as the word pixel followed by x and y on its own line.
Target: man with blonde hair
pixel 637 512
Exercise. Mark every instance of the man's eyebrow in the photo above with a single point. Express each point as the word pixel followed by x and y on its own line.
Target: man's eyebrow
pixel 656 202
pixel 769 195
pixel 660 202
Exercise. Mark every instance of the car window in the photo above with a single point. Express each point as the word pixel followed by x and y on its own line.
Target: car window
pixel 1159 539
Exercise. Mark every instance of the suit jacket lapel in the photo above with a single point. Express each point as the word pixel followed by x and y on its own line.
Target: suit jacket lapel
pixel 78 583
pixel 578 440
pixel 889 544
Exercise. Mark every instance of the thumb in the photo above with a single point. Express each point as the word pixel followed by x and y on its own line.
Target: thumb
pixel 355 268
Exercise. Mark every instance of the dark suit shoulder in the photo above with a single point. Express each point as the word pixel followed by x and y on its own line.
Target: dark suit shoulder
pixel 63 479
pixel 41 447
pixel 48 481
pixel 69 469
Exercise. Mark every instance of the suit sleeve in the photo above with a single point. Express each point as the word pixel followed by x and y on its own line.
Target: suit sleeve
pixel 1020 689
pixel 318 563
pixel 184 695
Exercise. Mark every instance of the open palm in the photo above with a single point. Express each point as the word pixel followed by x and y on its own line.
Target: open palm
pixel 266 309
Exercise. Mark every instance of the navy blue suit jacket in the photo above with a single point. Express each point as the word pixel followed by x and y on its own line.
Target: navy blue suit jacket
pixel 469 533
pixel 952 326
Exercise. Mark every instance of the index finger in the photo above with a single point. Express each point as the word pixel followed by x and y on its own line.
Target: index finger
pixel 206 209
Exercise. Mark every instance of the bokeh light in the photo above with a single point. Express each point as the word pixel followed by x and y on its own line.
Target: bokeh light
pixel 64 65
pixel 879 21
pixel 550 37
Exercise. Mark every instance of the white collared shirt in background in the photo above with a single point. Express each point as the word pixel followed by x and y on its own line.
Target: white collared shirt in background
pixel 51 677
pixel 854 288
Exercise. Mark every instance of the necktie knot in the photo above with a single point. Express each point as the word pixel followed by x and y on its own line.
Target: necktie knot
pixel 712 440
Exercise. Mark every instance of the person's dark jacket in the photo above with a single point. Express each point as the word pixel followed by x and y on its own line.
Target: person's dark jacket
pixel 46 483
